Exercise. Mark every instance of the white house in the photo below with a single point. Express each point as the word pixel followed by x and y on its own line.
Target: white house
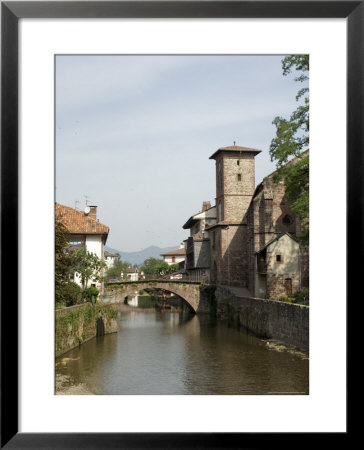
pixel 110 259
pixel 132 274
pixel 174 256
pixel 84 230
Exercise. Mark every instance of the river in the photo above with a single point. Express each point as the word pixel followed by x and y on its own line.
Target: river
pixel 161 353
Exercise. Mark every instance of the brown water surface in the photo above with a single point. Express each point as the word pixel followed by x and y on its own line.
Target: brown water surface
pixel 161 353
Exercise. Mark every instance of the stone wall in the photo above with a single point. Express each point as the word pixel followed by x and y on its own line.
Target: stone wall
pixel 230 255
pixel 285 322
pixel 202 256
pixel 78 324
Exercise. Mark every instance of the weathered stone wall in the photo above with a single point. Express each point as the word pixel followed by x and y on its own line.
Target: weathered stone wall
pixel 202 254
pixel 269 214
pixel 78 324
pixel 230 255
pixel 235 193
pixel 285 322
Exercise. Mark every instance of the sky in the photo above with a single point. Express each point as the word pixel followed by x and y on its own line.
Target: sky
pixel 134 134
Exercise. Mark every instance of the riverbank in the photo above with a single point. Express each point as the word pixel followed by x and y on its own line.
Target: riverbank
pixel 78 324
pixel 271 320
pixel 64 385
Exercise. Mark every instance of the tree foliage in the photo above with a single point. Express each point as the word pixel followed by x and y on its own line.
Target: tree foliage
pixel 88 265
pixel 119 267
pixel 63 266
pixel 292 141
pixel 155 268
pixel 67 263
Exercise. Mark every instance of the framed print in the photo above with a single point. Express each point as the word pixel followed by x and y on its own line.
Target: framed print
pixel 37 38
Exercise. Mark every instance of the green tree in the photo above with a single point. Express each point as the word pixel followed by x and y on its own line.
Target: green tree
pixel 292 141
pixel 88 265
pixel 155 268
pixel 64 263
pixel 119 267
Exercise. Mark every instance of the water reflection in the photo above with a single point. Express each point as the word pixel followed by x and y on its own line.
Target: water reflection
pixel 163 353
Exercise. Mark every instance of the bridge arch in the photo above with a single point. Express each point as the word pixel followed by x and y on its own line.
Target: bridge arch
pixel 190 292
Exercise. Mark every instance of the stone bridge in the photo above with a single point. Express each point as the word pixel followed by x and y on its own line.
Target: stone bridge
pixel 191 292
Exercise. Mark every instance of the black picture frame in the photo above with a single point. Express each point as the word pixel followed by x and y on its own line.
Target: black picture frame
pixel 11 12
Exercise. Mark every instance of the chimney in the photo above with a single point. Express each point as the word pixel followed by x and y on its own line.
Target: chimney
pixel 206 205
pixel 93 210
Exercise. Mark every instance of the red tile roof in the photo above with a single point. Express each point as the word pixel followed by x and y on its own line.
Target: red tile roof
pixel 77 222
pixel 179 251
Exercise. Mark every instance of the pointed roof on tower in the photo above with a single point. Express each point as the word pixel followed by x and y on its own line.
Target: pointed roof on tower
pixel 235 149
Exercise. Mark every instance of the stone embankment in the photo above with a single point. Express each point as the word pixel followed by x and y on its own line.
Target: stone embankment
pixel 80 323
pixel 269 319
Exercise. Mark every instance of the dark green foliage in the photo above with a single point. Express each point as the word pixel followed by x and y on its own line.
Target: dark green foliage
pixel 63 262
pixel 146 301
pixel 71 293
pixel 67 262
pixel 64 287
pixel 90 294
pixel 292 141
pixel 302 297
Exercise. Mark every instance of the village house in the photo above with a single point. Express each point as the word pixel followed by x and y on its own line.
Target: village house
pixel 197 245
pixel 278 267
pixel 254 238
pixel 84 230
pixel 110 259
pixel 174 256
pixel 132 274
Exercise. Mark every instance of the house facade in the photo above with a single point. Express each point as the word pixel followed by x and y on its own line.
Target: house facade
pixel 84 230
pixel 278 267
pixel 132 274
pixel 197 245
pixel 110 259
pixel 174 256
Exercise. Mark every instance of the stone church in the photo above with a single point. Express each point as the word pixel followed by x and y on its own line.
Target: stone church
pixel 252 240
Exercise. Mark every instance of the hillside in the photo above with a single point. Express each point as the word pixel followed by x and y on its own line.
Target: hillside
pixel 140 256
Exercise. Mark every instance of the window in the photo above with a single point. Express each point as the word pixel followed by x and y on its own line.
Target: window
pixel 287 220
pixel 238 162
pixel 173 259
pixel 279 258
pixel 239 176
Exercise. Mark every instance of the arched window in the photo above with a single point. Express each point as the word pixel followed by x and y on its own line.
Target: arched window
pixel 287 220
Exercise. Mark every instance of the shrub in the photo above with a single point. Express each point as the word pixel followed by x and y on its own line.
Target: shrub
pixel 302 296
pixel 71 293
pixel 90 294
pixel 287 299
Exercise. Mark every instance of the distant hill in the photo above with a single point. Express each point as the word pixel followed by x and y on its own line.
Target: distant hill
pixel 140 256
